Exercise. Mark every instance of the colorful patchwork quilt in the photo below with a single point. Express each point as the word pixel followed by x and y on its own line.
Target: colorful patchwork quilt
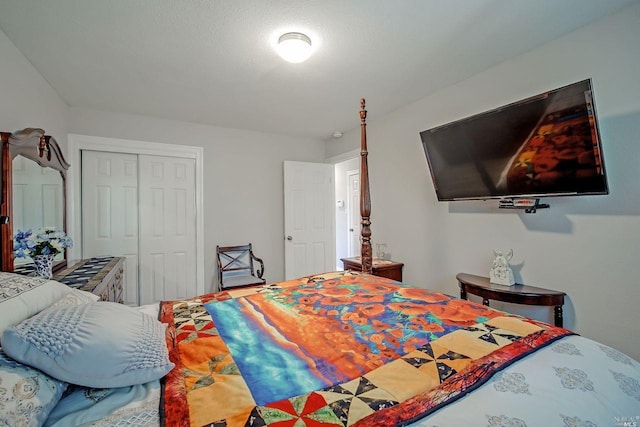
pixel 341 349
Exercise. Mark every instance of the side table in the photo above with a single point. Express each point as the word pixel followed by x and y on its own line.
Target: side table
pixel 517 294
pixel 382 268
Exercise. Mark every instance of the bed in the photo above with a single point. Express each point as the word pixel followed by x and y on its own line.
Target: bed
pixel 331 349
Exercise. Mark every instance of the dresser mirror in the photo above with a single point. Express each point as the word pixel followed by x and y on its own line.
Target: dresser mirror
pixel 38 199
pixel 33 190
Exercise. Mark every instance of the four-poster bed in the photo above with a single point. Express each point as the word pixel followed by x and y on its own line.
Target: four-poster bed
pixel 339 349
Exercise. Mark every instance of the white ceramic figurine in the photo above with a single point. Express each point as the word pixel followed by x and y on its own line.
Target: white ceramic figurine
pixel 501 273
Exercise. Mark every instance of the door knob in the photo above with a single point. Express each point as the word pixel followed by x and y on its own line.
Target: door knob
pixel 351 230
pixel 289 238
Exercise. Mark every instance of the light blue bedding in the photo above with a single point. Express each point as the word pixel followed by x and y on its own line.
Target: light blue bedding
pixel 136 405
pixel 573 382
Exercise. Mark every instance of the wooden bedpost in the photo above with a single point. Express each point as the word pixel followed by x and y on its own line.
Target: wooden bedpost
pixel 365 198
pixel 6 208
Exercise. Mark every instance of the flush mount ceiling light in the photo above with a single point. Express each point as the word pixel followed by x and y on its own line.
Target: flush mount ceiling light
pixel 294 47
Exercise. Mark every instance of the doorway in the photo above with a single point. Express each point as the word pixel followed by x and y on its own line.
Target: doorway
pixel 347 205
pixel 353 213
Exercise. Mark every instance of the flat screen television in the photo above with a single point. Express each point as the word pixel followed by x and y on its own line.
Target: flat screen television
pixel 545 145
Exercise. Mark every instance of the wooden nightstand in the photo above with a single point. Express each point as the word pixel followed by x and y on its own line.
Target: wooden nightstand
pixel 389 269
pixel 517 294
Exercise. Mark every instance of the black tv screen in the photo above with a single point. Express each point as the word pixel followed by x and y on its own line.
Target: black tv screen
pixel 545 145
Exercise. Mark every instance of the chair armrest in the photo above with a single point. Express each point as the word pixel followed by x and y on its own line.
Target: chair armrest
pixel 259 271
pixel 219 269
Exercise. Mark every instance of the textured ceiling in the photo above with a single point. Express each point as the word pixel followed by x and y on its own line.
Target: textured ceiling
pixel 213 62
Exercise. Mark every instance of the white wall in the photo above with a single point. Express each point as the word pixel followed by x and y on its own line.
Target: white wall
pixel 243 178
pixel 26 99
pixel 586 246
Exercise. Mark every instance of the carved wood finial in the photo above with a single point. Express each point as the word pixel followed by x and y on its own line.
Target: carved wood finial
pixel 47 139
pixel 42 146
pixel 365 198
pixel 363 111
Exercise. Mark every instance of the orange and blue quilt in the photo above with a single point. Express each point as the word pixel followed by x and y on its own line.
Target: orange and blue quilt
pixel 340 349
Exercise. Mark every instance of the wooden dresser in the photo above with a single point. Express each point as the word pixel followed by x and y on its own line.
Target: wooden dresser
pixel 103 276
pixel 389 269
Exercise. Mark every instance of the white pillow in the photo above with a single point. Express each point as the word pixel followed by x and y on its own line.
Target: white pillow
pixel 22 296
pixel 76 297
pixel 101 344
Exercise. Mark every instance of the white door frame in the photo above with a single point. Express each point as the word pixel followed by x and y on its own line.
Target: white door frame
pixel 77 143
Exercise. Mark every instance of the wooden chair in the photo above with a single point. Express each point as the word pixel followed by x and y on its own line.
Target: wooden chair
pixel 235 267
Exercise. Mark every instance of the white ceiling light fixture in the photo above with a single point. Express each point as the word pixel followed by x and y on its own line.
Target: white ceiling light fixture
pixel 294 47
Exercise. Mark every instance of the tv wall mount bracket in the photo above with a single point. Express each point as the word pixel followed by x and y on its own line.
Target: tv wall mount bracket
pixel 529 205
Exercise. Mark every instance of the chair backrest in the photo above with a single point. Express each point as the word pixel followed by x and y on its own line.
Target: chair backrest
pixel 235 260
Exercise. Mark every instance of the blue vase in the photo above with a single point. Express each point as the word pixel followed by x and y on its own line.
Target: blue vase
pixel 44 264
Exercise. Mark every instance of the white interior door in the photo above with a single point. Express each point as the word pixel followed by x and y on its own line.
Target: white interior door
pixel 308 218
pixel 167 228
pixel 142 207
pixel 353 212
pixel 110 212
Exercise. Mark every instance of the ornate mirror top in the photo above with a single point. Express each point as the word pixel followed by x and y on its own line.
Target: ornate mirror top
pixel 34 144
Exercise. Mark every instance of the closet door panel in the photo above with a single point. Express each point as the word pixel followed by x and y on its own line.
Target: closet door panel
pixel 167 228
pixel 110 212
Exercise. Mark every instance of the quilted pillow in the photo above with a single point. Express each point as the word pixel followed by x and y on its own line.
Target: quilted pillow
pixel 101 344
pixel 27 395
pixel 23 296
pixel 76 297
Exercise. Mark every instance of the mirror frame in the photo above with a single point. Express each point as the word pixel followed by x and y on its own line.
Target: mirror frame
pixel 33 144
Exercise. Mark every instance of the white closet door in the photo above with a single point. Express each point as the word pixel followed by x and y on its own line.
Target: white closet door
pixel 167 228
pixel 110 211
